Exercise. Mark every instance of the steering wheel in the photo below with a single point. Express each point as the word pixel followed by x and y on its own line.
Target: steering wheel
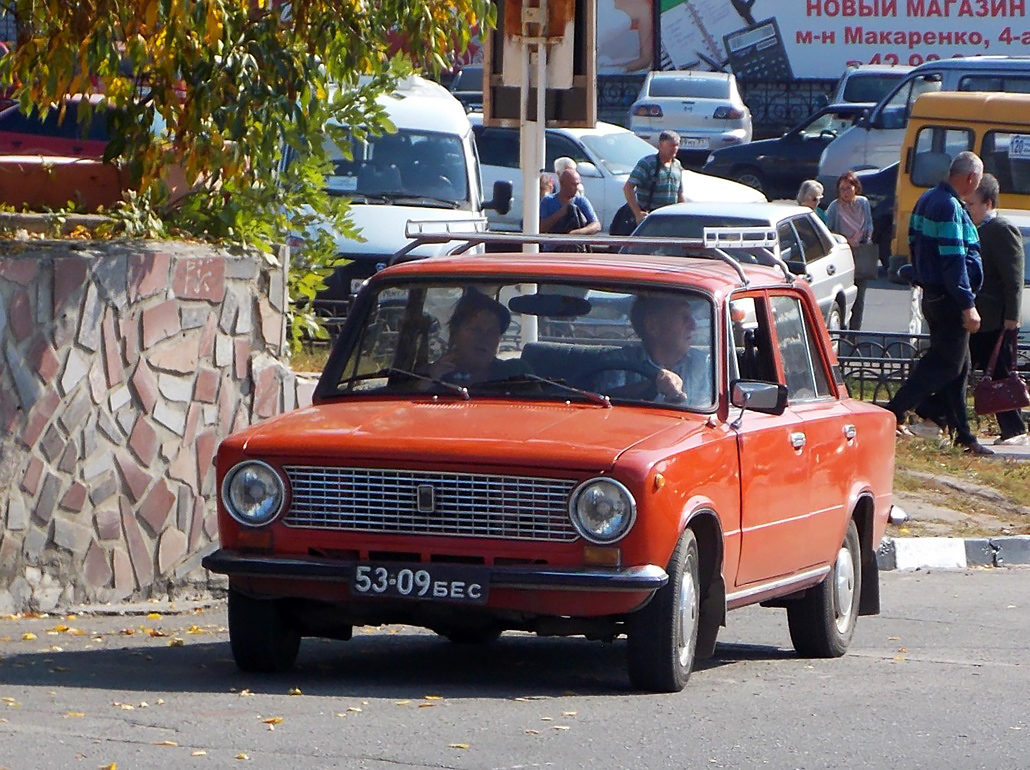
pixel 645 369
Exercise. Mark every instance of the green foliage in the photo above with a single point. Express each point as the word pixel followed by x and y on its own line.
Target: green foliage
pixel 215 96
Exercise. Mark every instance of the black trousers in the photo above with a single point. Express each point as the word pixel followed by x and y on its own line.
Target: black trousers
pixel 943 369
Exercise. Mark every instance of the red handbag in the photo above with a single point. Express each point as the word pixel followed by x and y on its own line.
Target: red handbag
pixel 1004 395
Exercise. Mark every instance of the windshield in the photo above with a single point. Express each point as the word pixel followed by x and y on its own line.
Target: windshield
pixel 529 341
pixel 618 152
pixel 407 164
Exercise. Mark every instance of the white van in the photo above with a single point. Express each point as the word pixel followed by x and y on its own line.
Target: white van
pixel 427 172
pixel 875 141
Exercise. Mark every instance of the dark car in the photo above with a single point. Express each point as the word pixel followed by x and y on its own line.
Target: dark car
pixel 467 87
pixel 777 167
pixel 22 134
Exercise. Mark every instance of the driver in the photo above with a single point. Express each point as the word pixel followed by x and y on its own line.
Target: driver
pixel 663 366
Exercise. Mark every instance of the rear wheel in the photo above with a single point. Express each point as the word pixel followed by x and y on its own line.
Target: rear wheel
pixel 823 621
pixel 663 635
pixel 752 177
pixel 262 637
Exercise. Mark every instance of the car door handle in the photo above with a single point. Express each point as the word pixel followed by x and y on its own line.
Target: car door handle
pixel 797 440
pixel 831 269
pixel 850 431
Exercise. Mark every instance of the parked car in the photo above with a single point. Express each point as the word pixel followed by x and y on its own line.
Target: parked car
pixel 605 156
pixel 868 82
pixel 704 108
pixel 545 496
pixel 29 134
pixel 424 172
pixel 777 167
pixel 467 86
pixel 808 248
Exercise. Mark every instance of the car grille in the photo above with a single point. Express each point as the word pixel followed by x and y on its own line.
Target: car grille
pixel 428 503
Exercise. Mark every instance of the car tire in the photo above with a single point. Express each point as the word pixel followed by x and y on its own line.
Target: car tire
pixel 752 177
pixel 823 621
pixel 262 638
pixel 663 635
pixel 835 318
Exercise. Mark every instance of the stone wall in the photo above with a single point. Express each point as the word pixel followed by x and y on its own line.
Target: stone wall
pixel 122 367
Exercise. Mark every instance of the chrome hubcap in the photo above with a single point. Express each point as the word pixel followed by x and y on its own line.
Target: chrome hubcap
pixel 688 619
pixel 843 588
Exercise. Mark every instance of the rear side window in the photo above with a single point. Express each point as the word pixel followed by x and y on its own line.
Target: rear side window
pixel 1013 84
pixel 1007 156
pixel 697 88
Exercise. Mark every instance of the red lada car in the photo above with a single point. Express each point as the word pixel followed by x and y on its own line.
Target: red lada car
pixel 594 444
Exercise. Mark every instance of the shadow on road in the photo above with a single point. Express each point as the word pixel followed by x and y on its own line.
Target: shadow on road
pixel 395 665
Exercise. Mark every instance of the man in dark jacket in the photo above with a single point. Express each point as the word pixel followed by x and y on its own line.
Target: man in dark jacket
pixel 945 251
pixel 998 301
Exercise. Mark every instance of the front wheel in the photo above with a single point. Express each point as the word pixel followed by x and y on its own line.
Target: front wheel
pixel 261 635
pixel 823 621
pixel 752 177
pixel 663 635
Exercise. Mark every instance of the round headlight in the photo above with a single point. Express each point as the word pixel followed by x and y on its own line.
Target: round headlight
pixel 253 493
pixel 602 510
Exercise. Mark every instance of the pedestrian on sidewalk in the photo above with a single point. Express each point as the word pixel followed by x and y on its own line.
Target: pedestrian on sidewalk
pixel 945 253
pixel 851 216
pixel 998 301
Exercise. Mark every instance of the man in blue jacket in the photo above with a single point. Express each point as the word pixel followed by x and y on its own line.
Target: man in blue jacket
pixel 946 264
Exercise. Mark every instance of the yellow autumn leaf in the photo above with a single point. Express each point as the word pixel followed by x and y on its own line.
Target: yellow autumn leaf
pixel 273 721
pixel 154 616
pixel 74 715
pixel 433 697
pixel 59 629
pixel 164 743
pixel 199 753
pixel 402 703
pixel 354 710
pixel 242 756
pixel 569 713
pixel 295 691
pixel 112 766
pixel 28 636
pixel 176 642
pixel 457 745
pixel 155 632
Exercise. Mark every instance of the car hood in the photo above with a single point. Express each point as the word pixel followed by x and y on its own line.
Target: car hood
pixel 481 432
pixel 382 226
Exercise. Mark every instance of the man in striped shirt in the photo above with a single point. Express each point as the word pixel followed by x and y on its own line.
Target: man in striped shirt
pixel 946 264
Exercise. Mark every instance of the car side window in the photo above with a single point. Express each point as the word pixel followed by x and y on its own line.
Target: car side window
pixel 811 244
pixel 559 146
pixel 803 372
pixel 752 344
pixel 935 147
pixel 790 250
pixel 497 147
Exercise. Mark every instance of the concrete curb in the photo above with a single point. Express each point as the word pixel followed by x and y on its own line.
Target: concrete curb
pixel 912 553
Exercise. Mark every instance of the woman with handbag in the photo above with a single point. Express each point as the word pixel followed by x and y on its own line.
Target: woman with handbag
pixel 851 216
pixel 998 302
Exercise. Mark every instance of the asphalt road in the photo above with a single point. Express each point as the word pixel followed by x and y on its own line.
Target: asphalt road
pixel 938 680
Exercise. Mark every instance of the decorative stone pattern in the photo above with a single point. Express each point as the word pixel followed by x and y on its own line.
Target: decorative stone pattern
pixel 122 367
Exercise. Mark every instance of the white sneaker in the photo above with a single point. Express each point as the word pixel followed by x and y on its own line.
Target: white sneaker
pixel 1018 440
pixel 926 429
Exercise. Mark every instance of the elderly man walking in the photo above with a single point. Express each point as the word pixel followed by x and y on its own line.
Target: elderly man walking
pixel 946 264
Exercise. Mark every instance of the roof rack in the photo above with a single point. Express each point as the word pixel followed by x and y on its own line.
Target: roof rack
pixel 719 241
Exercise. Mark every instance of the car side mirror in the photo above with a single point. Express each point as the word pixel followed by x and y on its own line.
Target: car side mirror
pixel 588 169
pixel 765 397
pixel 501 202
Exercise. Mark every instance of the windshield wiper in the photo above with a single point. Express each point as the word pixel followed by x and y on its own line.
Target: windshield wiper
pixel 457 389
pixel 400 197
pixel 527 379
